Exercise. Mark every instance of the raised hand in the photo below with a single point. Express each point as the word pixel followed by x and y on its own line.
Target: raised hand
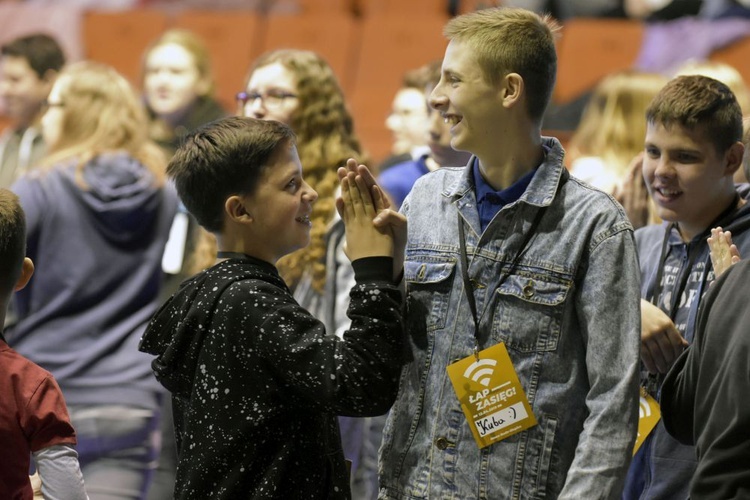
pixel 386 219
pixel 357 209
pixel 724 254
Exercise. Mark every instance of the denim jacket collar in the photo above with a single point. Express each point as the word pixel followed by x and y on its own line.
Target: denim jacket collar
pixel 543 186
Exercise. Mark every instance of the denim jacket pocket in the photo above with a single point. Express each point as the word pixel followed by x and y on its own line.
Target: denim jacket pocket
pixel 529 312
pixel 428 287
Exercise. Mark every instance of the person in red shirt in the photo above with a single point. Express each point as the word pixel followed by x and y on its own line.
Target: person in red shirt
pixel 34 420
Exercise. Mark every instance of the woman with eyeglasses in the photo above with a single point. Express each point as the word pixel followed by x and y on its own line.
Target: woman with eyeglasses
pixel 98 214
pixel 299 88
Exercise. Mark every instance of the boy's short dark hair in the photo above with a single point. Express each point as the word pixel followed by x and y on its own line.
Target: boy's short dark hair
pixel 512 40
pixel 223 158
pixel 41 51
pixel 699 103
pixel 12 240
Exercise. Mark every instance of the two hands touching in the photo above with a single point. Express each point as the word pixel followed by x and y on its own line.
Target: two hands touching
pixel 661 342
pixel 373 229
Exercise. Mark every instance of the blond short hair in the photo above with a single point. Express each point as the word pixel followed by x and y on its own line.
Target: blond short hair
pixel 511 40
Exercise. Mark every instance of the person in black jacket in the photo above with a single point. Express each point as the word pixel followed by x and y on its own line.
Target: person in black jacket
pixel 256 382
pixel 178 93
pixel 704 396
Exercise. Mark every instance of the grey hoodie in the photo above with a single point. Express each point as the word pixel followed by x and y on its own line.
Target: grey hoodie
pixel 97 251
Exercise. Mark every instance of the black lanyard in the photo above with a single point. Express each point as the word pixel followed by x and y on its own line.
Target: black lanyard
pixel 682 283
pixel 652 382
pixel 469 288
pixel 725 217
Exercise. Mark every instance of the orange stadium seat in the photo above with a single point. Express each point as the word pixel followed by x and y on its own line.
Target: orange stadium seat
pixel 590 49
pixel 120 38
pixel 233 39
pixel 316 7
pixel 391 45
pixel 360 7
pixel 465 6
pixel 405 7
pixel 333 36
pixel 736 55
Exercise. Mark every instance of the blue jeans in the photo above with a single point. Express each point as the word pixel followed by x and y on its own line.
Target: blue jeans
pixel 117 449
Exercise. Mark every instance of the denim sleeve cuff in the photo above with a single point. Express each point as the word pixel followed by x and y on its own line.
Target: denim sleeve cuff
pixel 373 269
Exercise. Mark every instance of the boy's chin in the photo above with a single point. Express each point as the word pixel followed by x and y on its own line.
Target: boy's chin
pixel 297 247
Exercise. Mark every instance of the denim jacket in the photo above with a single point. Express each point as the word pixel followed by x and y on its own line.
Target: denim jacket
pixel 569 316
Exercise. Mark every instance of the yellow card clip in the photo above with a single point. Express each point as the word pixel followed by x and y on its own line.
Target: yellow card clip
pixel 491 395
pixel 649 414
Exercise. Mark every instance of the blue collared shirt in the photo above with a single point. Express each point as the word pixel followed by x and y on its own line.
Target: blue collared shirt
pixel 489 201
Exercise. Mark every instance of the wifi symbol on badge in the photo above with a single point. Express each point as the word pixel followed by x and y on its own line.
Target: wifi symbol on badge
pixel 644 409
pixel 480 371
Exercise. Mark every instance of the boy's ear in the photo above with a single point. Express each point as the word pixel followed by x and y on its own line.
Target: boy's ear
pixel 50 76
pixel 733 158
pixel 512 89
pixel 27 270
pixel 236 210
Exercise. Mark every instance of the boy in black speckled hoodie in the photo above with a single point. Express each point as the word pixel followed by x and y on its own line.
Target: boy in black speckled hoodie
pixel 255 380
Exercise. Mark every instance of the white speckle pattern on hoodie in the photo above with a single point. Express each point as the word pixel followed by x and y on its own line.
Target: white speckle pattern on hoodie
pixel 257 383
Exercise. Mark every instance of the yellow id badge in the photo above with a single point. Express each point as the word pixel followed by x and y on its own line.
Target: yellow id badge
pixel 491 395
pixel 649 414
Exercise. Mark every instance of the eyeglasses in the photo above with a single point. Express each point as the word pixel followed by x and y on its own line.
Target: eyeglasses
pixel 46 105
pixel 271 100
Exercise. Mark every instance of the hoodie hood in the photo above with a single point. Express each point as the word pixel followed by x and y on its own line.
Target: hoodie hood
pixel 651 239
pixel 178 329
pixel 741 219
pixel 120 195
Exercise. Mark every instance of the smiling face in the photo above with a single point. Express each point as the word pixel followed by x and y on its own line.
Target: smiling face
pixel 468 102
pixel 439 141
pixel 281 205
pixel 172 81
pixel 21 90
pixel 689 181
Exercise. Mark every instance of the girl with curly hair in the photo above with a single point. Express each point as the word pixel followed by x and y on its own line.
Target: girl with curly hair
pixel 299 88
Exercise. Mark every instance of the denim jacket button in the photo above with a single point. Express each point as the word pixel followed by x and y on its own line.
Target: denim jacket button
pixel 442 443
pixel 528 289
